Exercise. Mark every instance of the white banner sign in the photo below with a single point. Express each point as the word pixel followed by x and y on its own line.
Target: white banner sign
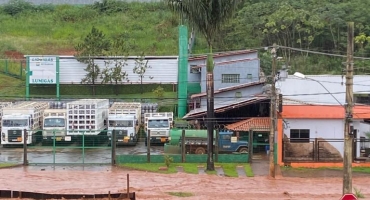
pixel 42 70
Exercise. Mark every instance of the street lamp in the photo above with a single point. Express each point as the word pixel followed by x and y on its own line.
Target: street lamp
pixel 347 153
pixel 302 76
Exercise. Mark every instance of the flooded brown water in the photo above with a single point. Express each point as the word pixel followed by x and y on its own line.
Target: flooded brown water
pixel 156 186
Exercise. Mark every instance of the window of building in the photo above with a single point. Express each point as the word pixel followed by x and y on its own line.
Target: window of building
pixel 249 76
pixel 299 135
pixel 362 98
pixel 230 78
pixel 238 94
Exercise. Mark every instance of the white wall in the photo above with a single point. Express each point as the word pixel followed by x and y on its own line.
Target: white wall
pixel 319 128
pixel 311 91
pixel 162 70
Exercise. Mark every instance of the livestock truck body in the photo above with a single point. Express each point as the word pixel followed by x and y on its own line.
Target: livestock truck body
pixel 19 117
pixel 159 125
pixel 55 125
pixel 125 119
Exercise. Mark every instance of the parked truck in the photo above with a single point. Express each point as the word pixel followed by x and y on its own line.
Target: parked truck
pixel 159 125
pixel 19 117
pixel 125 118
pixel 55 125
pixel 227 143
pixel 86 117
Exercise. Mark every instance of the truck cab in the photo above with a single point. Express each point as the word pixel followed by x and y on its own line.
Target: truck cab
pixel 229 143
pixel 126 127
pixel 13 126
pixel 55 125
pixel 159 125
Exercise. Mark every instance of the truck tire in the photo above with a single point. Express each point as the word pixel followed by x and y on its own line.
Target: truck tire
pixel 243 150
pixel 200 150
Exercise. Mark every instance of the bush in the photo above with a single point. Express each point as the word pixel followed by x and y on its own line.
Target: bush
pixel 159 92
pixel 68 13
pixel 110 6
pixel 15 7
pixel 168 160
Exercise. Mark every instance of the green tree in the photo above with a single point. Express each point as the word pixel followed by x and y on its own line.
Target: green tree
pixel 113 71
pixel 141 65
pixel 207 17
pixel 94 44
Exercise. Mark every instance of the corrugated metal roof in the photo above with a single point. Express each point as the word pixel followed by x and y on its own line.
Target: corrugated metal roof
pixel 256 124
pixel 224 106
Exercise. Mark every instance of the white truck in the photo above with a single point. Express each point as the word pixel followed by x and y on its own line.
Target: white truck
pixel 159 125
pixel 125 118
pixel 86 117
pixel 55 125
pixel 19 117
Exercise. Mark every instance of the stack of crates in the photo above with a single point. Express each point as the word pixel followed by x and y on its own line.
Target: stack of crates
pixel 87 116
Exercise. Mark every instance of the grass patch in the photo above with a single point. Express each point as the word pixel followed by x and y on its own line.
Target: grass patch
pixel 181 194
pixel 11 87
pixel 248 170
pixel 5 165
pixel 190 168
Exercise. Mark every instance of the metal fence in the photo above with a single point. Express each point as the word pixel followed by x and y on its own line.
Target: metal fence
pixel 36 148
pixel 14 68
pixel 323 149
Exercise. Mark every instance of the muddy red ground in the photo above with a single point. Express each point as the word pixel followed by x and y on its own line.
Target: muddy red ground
pixel 14 55
pixel 156 186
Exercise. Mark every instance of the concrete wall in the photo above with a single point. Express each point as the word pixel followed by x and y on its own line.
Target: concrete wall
pixel 314 91
pixel 243 67
pixel 319 128
pixel 227 98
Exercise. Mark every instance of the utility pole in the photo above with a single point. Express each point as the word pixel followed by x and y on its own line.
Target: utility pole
pixel 347 157
pixel 272 113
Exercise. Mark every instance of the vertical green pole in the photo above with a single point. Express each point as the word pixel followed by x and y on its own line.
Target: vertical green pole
pixel 20 70
pixel 182 92
pixel 54 147
pixel 83 147
pixel 28 78
pixel 6 66
pixel 57 77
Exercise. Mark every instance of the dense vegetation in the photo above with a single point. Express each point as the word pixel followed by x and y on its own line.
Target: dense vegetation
pixel 318 25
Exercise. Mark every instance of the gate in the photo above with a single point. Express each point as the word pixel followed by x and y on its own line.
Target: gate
pixel 77 149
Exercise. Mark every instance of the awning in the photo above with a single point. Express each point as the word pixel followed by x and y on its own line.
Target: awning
pixel 224 106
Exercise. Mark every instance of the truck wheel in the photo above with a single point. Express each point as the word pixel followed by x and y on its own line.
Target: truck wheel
pixel 200 150
pixel 243 150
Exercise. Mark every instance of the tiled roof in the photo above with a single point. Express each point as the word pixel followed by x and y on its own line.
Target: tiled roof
pixel 323 112
pixel 256 124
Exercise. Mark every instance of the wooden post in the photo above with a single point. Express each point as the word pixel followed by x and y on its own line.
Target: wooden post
pixel 113 146
pixel 250 145
pixel 216 144
pixel 316 150
pixel 25 137
pixel 183 149
pixel 272 114
pixel 128 186
pixel 347 155
pixel 148 147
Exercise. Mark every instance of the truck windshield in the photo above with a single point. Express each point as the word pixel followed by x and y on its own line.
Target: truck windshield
pixel 159 123
pixel 54 122
pixel 121 123
pixel 14 122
